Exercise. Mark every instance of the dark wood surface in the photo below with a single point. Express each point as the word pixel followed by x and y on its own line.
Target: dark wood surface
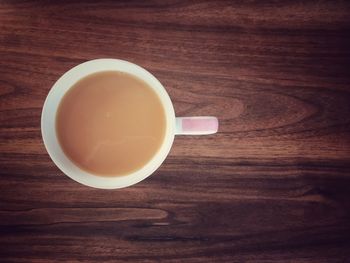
pixel 272 186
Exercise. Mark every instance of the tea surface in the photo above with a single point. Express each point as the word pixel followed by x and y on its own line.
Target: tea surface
pixel 110 123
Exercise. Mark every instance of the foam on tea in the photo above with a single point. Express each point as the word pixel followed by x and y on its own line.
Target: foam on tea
pixel 110 123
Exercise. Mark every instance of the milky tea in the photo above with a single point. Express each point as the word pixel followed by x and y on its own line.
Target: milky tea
pixel 110 123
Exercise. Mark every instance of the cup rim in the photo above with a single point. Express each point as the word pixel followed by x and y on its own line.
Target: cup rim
pixel 48 123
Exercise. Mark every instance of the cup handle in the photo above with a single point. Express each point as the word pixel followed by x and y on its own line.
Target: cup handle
pixel 196 125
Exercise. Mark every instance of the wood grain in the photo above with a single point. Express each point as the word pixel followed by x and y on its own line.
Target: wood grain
pixel 271 186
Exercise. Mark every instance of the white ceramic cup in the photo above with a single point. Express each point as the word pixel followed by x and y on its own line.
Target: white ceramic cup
pixel 184 125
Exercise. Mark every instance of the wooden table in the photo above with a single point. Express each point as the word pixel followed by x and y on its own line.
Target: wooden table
pixel 272 186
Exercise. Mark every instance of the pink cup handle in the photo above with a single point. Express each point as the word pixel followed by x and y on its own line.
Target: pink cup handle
pixel 196 125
